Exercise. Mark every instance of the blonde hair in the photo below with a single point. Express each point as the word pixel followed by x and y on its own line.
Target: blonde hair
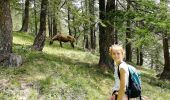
pixel 114 47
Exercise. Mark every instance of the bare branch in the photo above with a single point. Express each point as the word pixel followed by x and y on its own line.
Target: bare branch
pixel 63 4
pixel 121 4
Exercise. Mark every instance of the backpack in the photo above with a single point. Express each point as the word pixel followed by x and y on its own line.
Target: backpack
pixel 133 90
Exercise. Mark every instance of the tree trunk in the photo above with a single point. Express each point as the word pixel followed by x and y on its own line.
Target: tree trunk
pixel 69 27
pixel 102 49
pixel 54 25
pixel 87 26
pixel 141 57
pixel 138 55
pixel 39 41
pixel 115 23
pixel 5 30
pixel 152 63
pixel 35 17
pixel 110 30
pixel 49 24
pixel 166 72
pixel 93 38
pixel 92 26
pixel 116 36
pixel 104 40
pixel 87 42
pixel 75 30
pixel 24 27
pixel 128 36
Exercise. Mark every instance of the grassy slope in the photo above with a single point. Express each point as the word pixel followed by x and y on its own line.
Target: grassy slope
pixel 64 74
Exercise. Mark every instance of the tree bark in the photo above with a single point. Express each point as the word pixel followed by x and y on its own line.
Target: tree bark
pixel 92 26
pixel 110 30
pixel 49 24
pixel 166 72
pixel 69 27
pixel 138 55
pixel 104 40
pixel 128 36
pixel 102 49
pixel 87 26
pixel 116 36
pixel 87 42
pixel 35 18
pixel 5 30
pixel 141 57
pixel 54 25
pixel 24 27
pixel 39 41
pixel 75 28
pixel 115 23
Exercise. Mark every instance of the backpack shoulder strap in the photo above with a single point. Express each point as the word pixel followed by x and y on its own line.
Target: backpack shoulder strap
pixel 118 71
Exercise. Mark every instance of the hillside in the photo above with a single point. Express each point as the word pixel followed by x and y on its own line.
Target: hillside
pixel 65 74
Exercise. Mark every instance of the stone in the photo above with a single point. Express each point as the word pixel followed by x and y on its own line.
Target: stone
pixel 15 60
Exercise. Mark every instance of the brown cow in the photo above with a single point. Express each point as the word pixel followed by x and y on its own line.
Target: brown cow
pixel 62 38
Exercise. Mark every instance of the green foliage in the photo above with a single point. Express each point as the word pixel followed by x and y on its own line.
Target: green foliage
pixel 117 16
pixel 148 22
pixel 144 37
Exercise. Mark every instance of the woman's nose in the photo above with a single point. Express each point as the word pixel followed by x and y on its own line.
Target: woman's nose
pixel 116 56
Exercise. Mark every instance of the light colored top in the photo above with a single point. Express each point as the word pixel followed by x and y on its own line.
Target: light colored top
pixel 116 77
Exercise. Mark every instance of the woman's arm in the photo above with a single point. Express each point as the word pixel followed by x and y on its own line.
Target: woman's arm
pixel 122 84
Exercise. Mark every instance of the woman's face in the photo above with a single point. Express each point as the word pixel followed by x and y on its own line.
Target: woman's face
pixel 117 55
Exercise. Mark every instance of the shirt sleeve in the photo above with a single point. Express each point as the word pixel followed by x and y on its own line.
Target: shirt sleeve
pixel 123 65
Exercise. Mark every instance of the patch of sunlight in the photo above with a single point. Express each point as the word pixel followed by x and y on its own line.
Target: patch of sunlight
pixel 73 54
pixel 155 92
pixel 148 72
pixel 39 77
pixel 106 83
pixel 18 40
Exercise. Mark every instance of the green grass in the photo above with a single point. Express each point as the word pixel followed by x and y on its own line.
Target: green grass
pixel 65 74
pixel 154 88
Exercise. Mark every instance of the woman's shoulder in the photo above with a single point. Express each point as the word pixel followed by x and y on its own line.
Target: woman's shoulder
pixel 123 65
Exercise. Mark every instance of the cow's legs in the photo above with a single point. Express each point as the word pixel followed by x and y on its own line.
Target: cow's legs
pixel 61 44
pixel 72 44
